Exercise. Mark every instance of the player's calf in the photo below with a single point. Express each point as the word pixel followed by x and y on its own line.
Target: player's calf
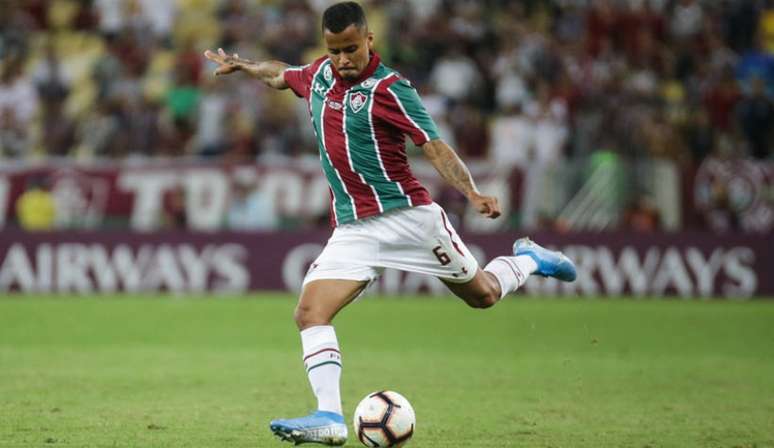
pixel 482 302
pixel 481 292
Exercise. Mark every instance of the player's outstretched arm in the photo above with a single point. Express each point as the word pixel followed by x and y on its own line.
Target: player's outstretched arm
pixel 455 173
pixel 270 72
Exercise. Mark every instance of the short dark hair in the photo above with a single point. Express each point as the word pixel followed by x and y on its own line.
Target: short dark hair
pixel 341 15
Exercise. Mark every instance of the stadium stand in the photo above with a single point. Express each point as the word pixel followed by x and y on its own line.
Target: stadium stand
pixel 611 96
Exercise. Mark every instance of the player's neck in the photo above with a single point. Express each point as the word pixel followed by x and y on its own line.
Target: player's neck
pixel 368 71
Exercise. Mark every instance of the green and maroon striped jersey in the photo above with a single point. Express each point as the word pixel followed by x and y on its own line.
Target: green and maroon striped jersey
pixel 360 127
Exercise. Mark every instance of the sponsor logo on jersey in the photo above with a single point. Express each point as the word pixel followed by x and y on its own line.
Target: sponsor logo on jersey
pixel 328 73
pixel 335 105
pixel 368 83
pixel 356 101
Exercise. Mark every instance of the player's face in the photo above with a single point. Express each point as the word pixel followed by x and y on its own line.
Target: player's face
pixel 349 50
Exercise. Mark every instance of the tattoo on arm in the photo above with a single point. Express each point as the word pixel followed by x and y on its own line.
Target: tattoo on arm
pixel 450 166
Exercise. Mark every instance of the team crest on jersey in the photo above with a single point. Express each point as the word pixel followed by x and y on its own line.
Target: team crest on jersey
pixel 328 73
pixel 368 83
pixel 356 101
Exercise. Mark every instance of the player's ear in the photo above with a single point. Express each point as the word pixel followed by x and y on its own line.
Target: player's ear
pixel 370 40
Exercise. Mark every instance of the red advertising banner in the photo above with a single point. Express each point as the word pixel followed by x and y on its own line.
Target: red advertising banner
pixel 720 195
pixel 611 264
pixel 137 196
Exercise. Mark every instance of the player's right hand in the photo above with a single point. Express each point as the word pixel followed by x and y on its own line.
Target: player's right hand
pixel 226 63
pixel 486 205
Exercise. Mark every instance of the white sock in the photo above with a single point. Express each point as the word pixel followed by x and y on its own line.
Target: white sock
pixel 511 272
pixel 322 360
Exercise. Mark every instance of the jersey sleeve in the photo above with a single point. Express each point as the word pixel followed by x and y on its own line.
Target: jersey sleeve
pixel 402 108
pixel 299 78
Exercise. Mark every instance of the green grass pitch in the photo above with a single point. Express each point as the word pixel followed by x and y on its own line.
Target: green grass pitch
pixel 194 372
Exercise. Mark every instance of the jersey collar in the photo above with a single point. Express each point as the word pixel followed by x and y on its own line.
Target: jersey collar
pixel 370 69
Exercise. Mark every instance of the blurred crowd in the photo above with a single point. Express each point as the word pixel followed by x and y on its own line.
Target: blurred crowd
pixel 511 81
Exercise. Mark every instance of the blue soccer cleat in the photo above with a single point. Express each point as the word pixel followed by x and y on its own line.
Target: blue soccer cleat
pixel 550 263
pixel 326 428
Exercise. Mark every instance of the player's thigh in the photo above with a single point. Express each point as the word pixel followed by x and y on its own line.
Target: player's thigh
pixel 321 300
pixel 350 254
pixel 422 240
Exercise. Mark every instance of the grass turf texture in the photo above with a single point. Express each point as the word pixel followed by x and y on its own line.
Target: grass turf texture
pixel 151 372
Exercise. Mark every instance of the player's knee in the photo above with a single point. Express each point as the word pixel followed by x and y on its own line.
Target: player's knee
pixel 306 316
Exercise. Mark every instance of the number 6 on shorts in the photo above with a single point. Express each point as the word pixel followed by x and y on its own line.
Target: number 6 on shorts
pixel 442 256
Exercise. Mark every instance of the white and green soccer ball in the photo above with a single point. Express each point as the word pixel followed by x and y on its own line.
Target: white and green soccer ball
pixel 384 419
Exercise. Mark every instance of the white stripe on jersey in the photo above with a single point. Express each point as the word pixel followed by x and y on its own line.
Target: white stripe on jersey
pixel 376 142
pixel 349 155
pixel 403 109
pixel 322 142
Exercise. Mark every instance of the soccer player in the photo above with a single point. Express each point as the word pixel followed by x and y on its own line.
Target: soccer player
pixel 361 111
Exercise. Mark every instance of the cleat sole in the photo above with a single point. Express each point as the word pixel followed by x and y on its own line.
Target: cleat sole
pixel 298 437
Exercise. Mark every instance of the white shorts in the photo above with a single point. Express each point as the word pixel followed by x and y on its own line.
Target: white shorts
pixel 417 239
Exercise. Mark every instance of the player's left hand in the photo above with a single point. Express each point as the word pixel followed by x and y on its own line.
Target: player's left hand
pixel 226 63
pixel 486 205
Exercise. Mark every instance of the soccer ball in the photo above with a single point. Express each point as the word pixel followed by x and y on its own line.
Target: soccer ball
pixel 384 419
